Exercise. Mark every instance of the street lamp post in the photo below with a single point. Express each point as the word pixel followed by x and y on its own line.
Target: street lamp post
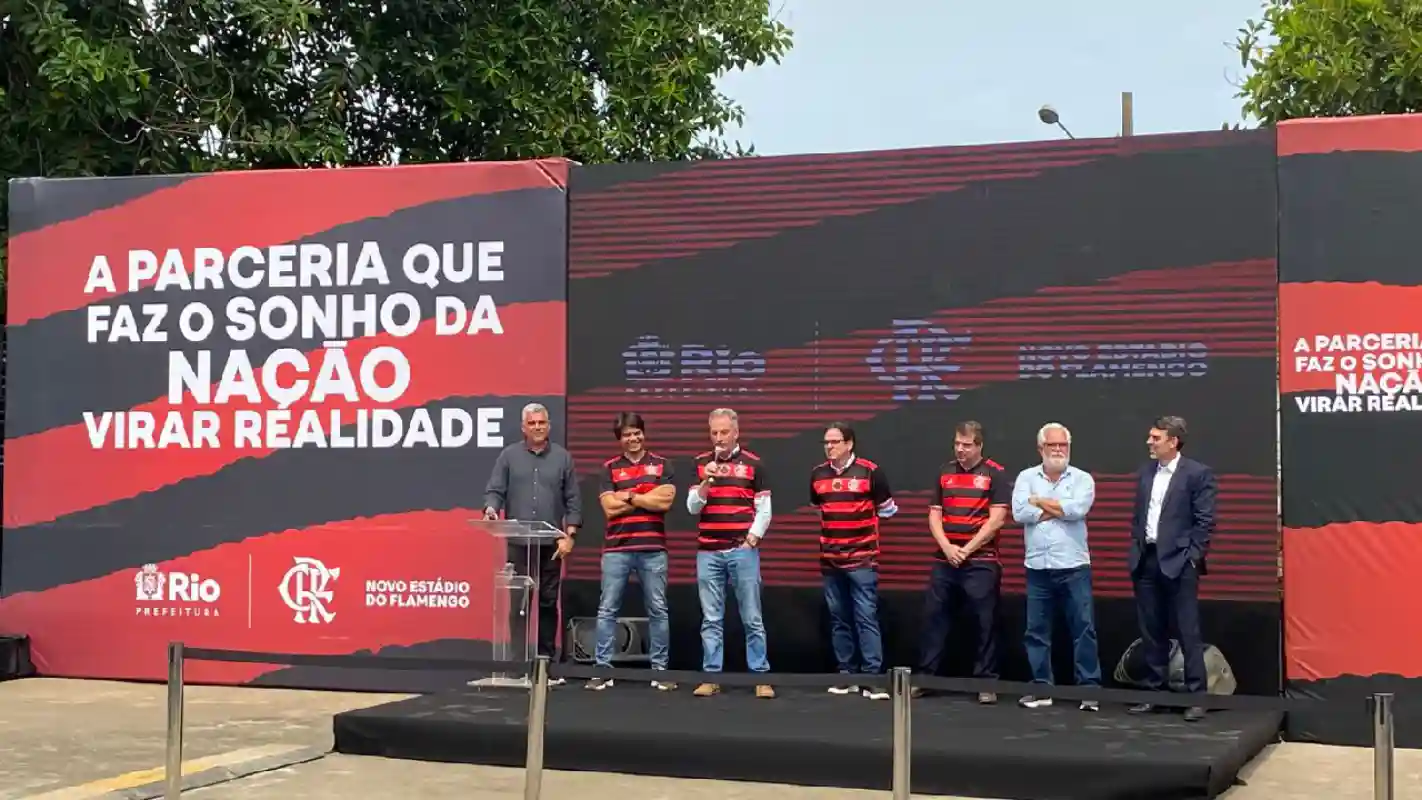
pixel 1049 116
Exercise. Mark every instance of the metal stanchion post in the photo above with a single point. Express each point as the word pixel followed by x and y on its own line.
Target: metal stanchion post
pixel 173 767
pixel 1382 746
pixel 537 715
pixel 901 692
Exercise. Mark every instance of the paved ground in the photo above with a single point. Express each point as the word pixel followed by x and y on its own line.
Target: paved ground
pixel 107 736
pixel 73 740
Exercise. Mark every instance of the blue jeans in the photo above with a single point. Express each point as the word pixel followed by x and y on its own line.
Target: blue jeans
pixel 740 567
pixel 853 599
pixel 651 569
pixel 1069 590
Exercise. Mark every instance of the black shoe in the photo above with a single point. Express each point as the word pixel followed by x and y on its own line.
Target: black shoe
pixel 1194 714
pixel 1141 708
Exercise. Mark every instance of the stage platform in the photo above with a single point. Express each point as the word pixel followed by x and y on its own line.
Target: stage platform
pixel 811 738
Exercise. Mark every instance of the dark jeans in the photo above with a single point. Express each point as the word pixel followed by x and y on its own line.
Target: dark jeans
pixel 1070 591
pixel 1160 600
pixel 975 586
pixel 853 599
pixel 549 577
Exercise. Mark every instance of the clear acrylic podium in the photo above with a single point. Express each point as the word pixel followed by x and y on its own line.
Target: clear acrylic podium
pixel 515 584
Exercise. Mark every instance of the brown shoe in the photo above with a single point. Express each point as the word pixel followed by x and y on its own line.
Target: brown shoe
pixel 765 692
pixel 707 690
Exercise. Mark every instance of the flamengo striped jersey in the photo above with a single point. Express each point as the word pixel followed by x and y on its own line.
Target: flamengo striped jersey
pixel 730 500
pixel 638 529
pixel 849 504
pixel 965 495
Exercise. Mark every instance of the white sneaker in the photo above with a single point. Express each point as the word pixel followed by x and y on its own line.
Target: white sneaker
pixel 1090 705
pixel 1032 701
pixel 876 694
pixel 846 689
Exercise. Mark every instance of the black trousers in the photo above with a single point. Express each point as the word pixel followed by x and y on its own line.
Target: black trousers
pixel 544 600
pixel 974 588
pixel 1161 600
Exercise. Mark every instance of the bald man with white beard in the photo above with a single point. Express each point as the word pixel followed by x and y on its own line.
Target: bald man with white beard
pixel 1051 501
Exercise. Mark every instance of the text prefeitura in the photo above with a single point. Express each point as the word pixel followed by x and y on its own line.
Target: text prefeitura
pixel 334 374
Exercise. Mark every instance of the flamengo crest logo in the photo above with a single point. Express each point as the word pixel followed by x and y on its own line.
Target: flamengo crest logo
pixel 305 588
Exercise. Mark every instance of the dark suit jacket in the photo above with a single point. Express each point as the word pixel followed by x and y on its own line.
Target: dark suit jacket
pixel 1187 517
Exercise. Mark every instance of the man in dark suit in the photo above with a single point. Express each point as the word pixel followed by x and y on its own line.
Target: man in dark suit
pixel 1170 539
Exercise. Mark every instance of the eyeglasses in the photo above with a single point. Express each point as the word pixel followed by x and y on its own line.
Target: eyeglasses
pixel 830 442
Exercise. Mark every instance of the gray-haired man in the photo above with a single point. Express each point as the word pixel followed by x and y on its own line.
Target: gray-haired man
pixel 534 480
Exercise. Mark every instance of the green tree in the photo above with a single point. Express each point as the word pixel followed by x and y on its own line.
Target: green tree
pixel 1330 58
pixel 105 87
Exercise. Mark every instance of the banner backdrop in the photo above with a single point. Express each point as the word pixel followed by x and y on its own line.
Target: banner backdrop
pixel 255 410
pixel 1096 283
pixel 1350 317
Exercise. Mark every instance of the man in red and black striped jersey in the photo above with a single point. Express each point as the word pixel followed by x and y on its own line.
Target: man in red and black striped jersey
pixel 636 494
pixel 852 493
pixel 732 506
pixel 974 496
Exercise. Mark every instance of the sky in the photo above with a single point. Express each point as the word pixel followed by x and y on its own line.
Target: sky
pixel 913 73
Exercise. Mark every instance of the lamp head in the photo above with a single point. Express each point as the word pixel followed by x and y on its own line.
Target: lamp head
pixel 1048 115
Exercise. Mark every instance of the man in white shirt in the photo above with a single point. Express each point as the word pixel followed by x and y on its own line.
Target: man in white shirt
pixel 1051 500
pixel 1171 524
pixel 732 509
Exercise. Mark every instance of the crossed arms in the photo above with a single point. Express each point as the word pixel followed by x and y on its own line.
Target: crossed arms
pixel 1030 509
pixel 658 500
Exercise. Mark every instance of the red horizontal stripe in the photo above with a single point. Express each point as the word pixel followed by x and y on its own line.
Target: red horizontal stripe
pixel 49 267
pixel 40 484
pixel 636 518
pixel 875 182
pixel 1399 133
pixel 846 524
pixel 847 506
pixel 729 492
pixel 833 541
pixel 728 509
pixel 89 629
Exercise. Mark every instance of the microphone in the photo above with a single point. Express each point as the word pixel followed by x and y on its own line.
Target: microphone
pixel 715 469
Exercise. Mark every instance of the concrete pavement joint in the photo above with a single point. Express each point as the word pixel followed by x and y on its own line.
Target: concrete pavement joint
pixel 225 774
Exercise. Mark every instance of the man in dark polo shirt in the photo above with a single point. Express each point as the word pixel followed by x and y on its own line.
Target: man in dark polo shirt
pixel 974 496
pixel 533 480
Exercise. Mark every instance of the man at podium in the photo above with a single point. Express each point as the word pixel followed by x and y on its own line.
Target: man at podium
pixel 534 481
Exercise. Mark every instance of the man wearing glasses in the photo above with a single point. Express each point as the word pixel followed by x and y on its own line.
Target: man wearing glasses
pixel 852 494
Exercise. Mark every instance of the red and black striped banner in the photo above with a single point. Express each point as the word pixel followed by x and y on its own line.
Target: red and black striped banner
pixel 254 410
pixel 1350 351
pixel 1097 283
